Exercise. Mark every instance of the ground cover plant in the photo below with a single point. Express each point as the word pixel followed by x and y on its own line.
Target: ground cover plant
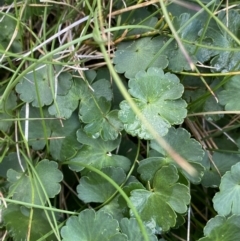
pixel 119 120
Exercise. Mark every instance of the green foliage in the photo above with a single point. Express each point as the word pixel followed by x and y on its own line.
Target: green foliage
pixel 187 147
pixel 37 86
pixel 90 225
pixel 227 199
pixel 166 198
pixel 155 94
pixel 8 25
pixel 227 60
pixel 222 163
pixel 94 188
pixel 19 227
pixel 88 104
pixel 130 227
pixel 229 96
pixel 138 55
pixel 222 229
pixel 39 186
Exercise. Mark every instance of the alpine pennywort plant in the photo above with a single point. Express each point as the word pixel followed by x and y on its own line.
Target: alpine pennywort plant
pixel 121 122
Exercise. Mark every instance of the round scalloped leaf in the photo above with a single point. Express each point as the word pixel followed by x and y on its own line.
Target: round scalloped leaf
pixel 226 61
pixel 97 152
pixel 130 227
pixel 90 225
pixel 66 103
pixel 63 143
pixel 22 185
pixel 177 60
pixel 94 111
pixel 230 95
pixel 222 229
pixel 95 188
pixel 226 201
pixel 36 86
pixel 155 94
pixel 166 198
pixel 179 139
pixel 132 57
pixel 17 219
pixel 108 126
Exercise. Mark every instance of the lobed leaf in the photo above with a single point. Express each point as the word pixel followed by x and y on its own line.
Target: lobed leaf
pixel 19 227
pixel 166 198
pixel 222 229
pixel 130 227
pixel 63 143
pixel 226 61
pixel 97 152
pixel 91 225
pixel 154 93
pixel 28 189
pixel 138 55
pixel 226 201
pixel 229 97
pixel 35 87
pixel 179 139
pixel 95 188
pixel 95 112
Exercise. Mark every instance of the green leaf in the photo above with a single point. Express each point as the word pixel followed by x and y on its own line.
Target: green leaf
pixel 113 209
pixel 155 93
pixel 212 105
pixel 226 201
pixel 229 97
pixel 11 162
pixel 27 188
pixel 130 227
pixel 37 82
pixel 97 152
pixel 221 228
pixel 177 61
pixel 107 126
pixel 179 139
pixel 63 143
pixel 38 129
pixel 141 17
pixel 132 184
pixel 223 162
pixel 94 111
pixel 132 57
pixel 19 227
pixel 66 103
pixel 94 188
pixel 7 105
pixel 8 26
pixel 91 225
pixel 226 61
pixel 166 198
pixel 10 103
